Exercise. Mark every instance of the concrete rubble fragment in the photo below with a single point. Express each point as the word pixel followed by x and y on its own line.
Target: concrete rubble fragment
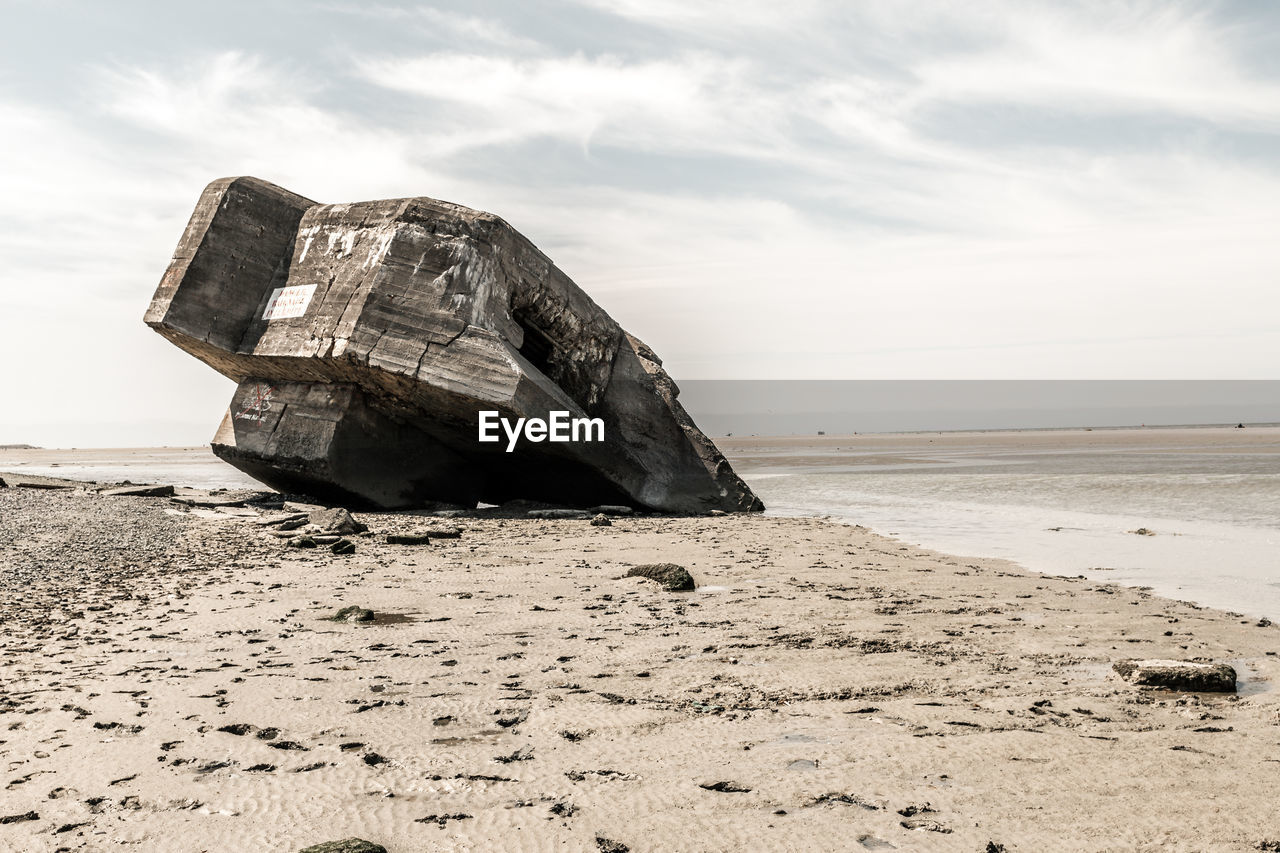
pixel 353 613
pixel 140 491
pixel 297 519
pixel 1178 675
pixel 336 520
pixel 408 539
pixel 612 510
pixel 674 577
pixel 367 339
pixel 579 514
pixel 347 845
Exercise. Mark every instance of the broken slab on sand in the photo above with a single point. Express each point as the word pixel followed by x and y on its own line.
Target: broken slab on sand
pixel 366 339
pixel 1178 675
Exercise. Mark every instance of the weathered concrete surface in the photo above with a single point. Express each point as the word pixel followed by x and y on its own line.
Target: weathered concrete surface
pixel 161 491
pixel 1178 675
pixel 409 317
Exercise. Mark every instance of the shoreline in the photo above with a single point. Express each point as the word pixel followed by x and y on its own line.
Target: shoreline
pixel 1068 504
pixel 525 696
pixel 731 440
pixel 1089 544
pixel 1262 437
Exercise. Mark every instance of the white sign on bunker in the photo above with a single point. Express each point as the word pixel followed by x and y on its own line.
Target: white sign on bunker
pixel 289 302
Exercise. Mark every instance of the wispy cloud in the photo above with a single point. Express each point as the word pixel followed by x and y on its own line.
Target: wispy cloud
pixel 716 16
pixel 693 102
pixel 442 23
pixel 240 113
pixel 1146 58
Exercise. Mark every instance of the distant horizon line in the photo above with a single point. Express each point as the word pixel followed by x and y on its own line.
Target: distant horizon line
pixel 826 434
pixel 816 434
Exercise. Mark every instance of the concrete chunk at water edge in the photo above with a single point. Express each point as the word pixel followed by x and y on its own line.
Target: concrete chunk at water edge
pixel 365 339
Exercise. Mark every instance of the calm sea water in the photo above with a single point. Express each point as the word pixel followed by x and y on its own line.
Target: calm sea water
pixel 1067 509
pixel 193 467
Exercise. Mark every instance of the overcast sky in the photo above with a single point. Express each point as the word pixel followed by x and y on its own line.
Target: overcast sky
pixel 759 190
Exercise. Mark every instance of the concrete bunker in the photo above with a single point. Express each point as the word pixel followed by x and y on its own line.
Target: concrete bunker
pixel 366 338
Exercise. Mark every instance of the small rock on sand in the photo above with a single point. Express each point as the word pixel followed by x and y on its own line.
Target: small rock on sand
pixel 343 546
pixel 608 845
pixel 673 577
pixel 3 484
pixel 353 614
pixel 350 845
pixel 302 542
pixel 336 520
pixel 926 823
pixel 1178 675
pixel 601 520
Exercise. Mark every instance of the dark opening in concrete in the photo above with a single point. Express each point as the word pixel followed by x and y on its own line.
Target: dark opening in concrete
pixel 537 347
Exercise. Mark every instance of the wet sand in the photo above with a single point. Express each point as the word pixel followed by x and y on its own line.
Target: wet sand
pixel 171 683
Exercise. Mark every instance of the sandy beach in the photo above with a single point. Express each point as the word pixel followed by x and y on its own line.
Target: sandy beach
pixel 172 682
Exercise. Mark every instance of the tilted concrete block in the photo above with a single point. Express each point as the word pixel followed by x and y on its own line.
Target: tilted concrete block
pixel 367 339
